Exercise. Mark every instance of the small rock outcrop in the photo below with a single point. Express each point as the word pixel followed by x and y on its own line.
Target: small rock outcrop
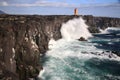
pixel 82 39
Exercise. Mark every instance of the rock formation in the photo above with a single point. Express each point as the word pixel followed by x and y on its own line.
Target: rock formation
pixel 24 39
pixel 101 22
pixel 82 39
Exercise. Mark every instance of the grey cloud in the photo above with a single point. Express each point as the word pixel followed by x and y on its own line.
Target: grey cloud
pixel 3 3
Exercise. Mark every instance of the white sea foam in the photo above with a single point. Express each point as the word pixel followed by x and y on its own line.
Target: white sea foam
pixel 109 30
pixel 63 50
pixel 41 72
pixel 80 50
pixel 51 43
pixel 61 53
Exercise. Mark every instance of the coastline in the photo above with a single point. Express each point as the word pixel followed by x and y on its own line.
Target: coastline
pixel 24 38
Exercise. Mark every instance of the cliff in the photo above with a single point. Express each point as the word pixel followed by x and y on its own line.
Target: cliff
pixel 24 39
pixel 101 22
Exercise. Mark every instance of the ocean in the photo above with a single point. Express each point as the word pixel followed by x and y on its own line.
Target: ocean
pixel 94 59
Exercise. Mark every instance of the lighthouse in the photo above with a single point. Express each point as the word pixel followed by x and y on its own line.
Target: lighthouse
pixel 75 11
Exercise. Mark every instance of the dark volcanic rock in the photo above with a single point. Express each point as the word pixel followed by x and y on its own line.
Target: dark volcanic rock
pixel 24 38
pixel 82 39
pixel 97 23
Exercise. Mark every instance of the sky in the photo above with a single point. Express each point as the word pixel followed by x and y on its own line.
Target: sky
pixel 109 8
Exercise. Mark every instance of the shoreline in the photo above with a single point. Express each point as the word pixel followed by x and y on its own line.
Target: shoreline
pixel 24 37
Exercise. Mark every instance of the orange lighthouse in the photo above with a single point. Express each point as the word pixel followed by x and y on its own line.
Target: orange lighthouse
pixel 75 11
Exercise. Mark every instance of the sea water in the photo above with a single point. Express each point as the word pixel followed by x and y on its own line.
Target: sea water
pixel 70 59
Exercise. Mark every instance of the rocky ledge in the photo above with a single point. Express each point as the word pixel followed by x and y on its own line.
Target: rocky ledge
pixel 24 39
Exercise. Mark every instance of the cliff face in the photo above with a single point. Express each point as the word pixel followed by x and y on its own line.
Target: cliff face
pixel 101 22
pixel 24 39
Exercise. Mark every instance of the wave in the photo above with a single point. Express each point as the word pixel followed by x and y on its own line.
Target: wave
pixel 70 59
pixel 67 60
pixel 74 29
pixel 110 30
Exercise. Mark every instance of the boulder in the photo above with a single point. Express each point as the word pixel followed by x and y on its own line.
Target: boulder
pixel 82 39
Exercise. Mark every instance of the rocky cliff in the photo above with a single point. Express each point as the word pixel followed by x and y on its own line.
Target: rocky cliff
pixel 101 22
pixel 24 39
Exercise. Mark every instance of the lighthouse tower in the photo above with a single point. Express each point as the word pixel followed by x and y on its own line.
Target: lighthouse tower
pixel 75 11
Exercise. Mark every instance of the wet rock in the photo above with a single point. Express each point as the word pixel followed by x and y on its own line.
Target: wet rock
pixel 82 39
pixel 116 52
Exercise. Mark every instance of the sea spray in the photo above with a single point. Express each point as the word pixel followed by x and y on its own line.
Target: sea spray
pixel 74 29
pixel 110 30
pixel 51 43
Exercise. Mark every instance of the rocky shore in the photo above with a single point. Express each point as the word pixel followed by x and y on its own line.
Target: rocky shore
pixel 24 39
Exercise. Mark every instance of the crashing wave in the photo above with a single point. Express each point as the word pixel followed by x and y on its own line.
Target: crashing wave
pixel 110 30
pixel 74 29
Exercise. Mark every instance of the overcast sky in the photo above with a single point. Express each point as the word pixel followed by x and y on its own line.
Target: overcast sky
pixel 109 8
